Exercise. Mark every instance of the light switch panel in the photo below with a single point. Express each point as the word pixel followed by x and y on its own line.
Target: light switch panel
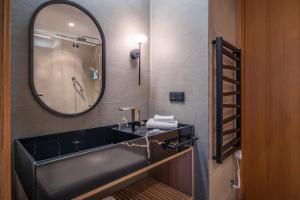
pixel 176 97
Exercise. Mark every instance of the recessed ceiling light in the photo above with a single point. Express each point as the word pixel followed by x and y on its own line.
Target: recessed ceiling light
pixel 71 24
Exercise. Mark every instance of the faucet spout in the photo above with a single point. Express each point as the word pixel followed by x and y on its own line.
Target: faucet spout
pixel 135 115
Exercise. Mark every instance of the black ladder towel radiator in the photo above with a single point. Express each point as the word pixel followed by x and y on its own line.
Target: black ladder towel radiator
pixel 225 149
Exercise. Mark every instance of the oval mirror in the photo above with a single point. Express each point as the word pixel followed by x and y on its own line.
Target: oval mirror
pixel 67 58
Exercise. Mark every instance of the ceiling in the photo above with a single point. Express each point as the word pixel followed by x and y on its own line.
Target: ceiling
pixel 56 18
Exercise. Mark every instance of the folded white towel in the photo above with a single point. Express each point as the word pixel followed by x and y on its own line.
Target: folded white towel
pixel 160 118
pixel 151 123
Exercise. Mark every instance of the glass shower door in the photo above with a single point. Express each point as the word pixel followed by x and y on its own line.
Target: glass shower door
pixel 54 68
pixel 87 75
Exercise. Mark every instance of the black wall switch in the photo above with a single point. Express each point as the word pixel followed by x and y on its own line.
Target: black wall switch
pixel 177 97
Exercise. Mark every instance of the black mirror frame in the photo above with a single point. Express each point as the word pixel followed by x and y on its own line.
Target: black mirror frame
pixel 31 59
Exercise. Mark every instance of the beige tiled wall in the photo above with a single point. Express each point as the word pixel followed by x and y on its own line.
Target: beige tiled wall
pixel 179 62
pixel 53 72
pixel 223 21
pixel 120 20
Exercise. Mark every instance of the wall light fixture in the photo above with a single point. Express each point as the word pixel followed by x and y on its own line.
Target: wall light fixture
pixel 136 53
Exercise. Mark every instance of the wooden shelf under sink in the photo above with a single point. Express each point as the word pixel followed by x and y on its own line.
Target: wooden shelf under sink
pixel 149 188
pixel 168 179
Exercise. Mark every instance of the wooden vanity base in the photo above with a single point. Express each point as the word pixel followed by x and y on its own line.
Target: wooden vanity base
pixel 169 179
pixel 149 188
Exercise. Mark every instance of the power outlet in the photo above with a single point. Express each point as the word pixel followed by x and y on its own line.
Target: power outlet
pixel 238 155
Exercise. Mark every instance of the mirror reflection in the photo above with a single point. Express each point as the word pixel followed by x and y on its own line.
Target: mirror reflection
pixel 67 59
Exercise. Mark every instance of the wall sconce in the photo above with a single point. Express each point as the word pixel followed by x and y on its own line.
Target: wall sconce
pixel 136 53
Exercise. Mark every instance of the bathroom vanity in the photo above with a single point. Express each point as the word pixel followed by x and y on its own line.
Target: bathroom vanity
pixel 100 161
pixel 67 78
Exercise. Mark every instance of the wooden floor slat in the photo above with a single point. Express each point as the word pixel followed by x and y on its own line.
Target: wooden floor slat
pixel 148 188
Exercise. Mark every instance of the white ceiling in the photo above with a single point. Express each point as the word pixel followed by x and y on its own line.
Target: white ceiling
pixel 55 18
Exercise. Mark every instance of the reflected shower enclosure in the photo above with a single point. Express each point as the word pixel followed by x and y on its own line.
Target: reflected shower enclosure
pixel 67 59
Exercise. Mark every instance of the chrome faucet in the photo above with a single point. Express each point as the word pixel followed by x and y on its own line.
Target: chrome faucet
pixel 135 115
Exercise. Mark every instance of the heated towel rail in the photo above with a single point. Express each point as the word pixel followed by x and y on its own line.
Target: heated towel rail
pixel 224 149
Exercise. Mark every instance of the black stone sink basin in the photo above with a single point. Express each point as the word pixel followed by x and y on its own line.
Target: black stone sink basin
pixel 53 146
pixel 66 165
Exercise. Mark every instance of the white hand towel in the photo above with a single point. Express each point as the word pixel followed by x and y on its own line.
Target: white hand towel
pixel 151 123
pixel 160 118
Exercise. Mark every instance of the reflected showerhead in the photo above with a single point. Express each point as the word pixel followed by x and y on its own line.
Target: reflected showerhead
pixel 81 39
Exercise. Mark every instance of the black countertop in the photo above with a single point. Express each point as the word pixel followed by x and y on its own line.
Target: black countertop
pixel 65 165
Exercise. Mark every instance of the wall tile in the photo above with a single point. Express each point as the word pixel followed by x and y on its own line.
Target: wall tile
pixel 179 62
pixel 119 22
pixel 220 175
